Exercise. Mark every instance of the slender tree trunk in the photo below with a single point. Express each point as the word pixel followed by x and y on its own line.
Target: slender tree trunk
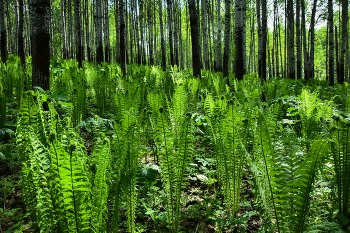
pixel 78 32
pixel 291 56
pixel 150 28
pixel 170 31
pixel 99 41
pixel 263 39
pixel 303 28
pixel 219 45
pixel 64 33
pixel 331 42
pixel 16 20
pixel 187 38
pixel 71 30
pixel 299 57
pixel 239 39
pixel 312 40
pixel 21 41
pixel 106 31
pixel 137 38
pixel 3 40
pixel 88 49
pixel 268 56
pixel 162 41
pixel 344 45
pixel 336 52
pixel 205 34
pixel 122 37
pixel 176 40
pixel 260 68
pixel 141 29
pixel 27 29
pixel 244 10
pixel 9 28
pixel 40 20
pixel 227 39
pixel 195 39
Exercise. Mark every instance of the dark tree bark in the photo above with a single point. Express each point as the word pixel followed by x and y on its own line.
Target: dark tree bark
pixel 263 39
pixel 345 42
pixel 290 38
pixel 336 52
pixel 64 32
pixel 303 28
pixel 122 37
pixel 312 42
pixel 259 42
pixel 195 39
pixel 170 31
pixel 106 31
pixel 99 40
pixel 20 37
pixel 227 38
pixel 40 20
pixel 239 40
pixel 162 41
pixel 297 24
pixel 3 30
pixel 88 49
pixel 331 42
pixel 78 32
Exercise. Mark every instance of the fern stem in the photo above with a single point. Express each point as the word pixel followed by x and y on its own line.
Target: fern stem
pixel 170 183
pixel 75 207
pixel 306 203
pixel 268 177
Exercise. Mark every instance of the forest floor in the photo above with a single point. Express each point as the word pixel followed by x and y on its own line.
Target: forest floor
pixel 202 201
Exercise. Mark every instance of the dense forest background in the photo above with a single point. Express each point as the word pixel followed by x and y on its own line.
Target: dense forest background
pixel 174 116
pixel 292 39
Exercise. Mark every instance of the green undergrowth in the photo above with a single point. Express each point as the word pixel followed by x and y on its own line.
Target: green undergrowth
pixel 160 151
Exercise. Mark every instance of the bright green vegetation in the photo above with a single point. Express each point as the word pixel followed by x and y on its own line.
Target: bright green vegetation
pixel 163 152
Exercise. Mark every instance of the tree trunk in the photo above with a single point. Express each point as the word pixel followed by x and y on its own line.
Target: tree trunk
pixel 141 29
pixel 137 39
pixel 88 49
pixel 291 57
pixel 205 34
pixel 244 11
pixel 299 57
pixel 336 53
pixel 122 37
pixel 263 39
pixel 195 39
pixel 312 41
pixel 176 39
pixel 16 20
pixel 3 40
pixel 345 43
pixel 239 39
pixel 162 41
pixel 303 28
pixel 150 28
pixel 331 42
pixel 170 31
pixel 227 39
pixel 40 21
pixel 99 41
pixel 64 33
pixel 260 68
pixel 20 37
pixel 218 59
pixel 78 32
pixel 106 32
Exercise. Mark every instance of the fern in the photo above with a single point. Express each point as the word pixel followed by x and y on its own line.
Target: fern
pixel 126 144
pixel 284 184
pixel 341 156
